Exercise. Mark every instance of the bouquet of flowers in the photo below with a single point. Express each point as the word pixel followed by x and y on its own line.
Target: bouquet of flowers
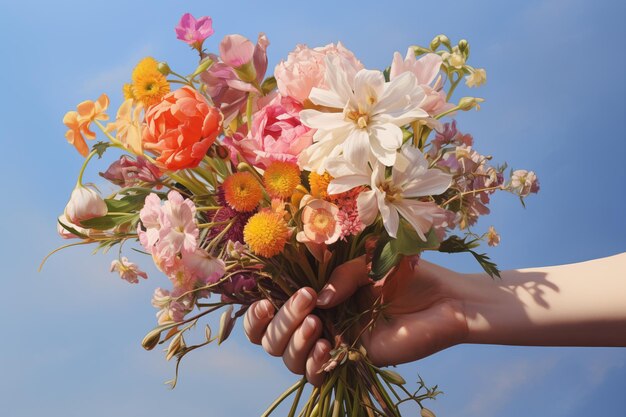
pixel 242 186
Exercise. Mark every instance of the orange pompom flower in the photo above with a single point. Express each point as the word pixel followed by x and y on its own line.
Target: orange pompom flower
pixel 266 233
pixel 242 191
pixel 180 129
pixel 319 184
pixel 79 122
pixel 281 179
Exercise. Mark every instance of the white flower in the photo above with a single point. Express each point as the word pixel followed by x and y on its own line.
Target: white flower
pixel 84 204
pixel 477 78
pixel 393 197
pixel 369 113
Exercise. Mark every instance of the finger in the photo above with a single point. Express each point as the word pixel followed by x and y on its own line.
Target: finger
pixel 287 320
pixel 301 343
pixel 320 354
pixel 343 283
pixel 256 320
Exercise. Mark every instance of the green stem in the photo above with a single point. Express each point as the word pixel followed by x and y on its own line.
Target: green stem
pixel 79 182
pixel 296 401
pixel 283 396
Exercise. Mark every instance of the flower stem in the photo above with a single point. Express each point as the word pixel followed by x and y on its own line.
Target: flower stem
pixel 79 182
pixel 283 396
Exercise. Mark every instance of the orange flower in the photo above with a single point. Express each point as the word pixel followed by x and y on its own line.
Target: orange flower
pixel 242 191
pixel 129 126
pixel 181 128
pixel 79 121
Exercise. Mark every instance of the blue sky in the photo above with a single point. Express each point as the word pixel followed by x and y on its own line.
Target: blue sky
pixel 69 343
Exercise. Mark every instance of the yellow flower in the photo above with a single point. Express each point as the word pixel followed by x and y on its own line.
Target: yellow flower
pixel 242 191
pixel 319 184
pixel 281 179
pixel 149 85
pixel 266 233
pixel 127 90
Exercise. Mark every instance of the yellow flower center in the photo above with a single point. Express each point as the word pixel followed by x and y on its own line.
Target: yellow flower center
pixel 322 222
pixel 392 193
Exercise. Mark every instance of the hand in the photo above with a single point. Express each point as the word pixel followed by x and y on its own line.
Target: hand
pixel 421 317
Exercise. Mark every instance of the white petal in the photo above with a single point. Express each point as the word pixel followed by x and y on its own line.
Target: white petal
pixel 431 182
pixel 367 207
pixel 313 157
pixel 389 214
pixel 400 93
pixel 356 148
pixel 323 121
pixel 337 79
pixel 341 167
pixel 386 157
pixel 343 184
pixel 388 135
pixel 326 98
pixel 369 85
pixel 417 216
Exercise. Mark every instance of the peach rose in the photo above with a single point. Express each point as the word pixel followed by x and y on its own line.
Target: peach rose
pixel 181 128
pixel 305 68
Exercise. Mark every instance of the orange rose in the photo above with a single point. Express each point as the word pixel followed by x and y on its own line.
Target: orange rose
pixel 181 128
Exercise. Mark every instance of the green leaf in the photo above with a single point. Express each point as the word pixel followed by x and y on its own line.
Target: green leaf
pixel 455 244
pixel 383 260
pixel 127 203
pixel 389 251
pixel 108 222
pixel 72 230
pixel 100 148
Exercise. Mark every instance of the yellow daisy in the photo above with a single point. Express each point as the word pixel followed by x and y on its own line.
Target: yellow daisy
pixel 281 179
pixel 266 233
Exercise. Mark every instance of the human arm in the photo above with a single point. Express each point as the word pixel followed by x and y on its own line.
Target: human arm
pixel 430 308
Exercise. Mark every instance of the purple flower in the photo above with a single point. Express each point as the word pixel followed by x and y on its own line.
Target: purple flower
pixel 192 31
pixel 127 172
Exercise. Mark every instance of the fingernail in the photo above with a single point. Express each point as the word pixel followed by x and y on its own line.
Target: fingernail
pixel 263 310
pixel 324 297
pixel 302 300
pixel 308 327
pixel 318 353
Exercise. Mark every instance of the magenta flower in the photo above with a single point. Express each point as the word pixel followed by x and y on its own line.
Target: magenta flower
pixel 192 31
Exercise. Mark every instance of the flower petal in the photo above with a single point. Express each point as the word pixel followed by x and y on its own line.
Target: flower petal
pixel 323 121
pixel 367 207
pixel 356 148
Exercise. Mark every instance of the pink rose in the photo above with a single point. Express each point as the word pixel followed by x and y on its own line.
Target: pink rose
pixel 277 134
pixel 305 68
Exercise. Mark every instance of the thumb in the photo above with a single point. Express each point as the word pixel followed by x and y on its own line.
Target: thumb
pixel 344 281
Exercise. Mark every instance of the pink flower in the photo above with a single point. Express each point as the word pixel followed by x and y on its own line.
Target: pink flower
pixel 227 88
pixel 236 51
pixel 192 31
pixel 305 68
pixel 426 70
pixel 84 204
pixel 348 216
pixel 170 310
pixel 206 267
pixel 277 134
pixel 178 226
pixel 493 238
pixel 128 271
pixel 170 230
pixel 524 182
pixel 320 221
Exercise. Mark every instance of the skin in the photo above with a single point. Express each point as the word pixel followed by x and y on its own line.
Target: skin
pixel 430 308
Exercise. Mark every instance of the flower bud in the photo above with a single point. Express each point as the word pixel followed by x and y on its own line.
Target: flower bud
pixel 463 45
pixel 444 40
pixel 468 103
pixel 427 413
pixel 393 377
pixel 237 52
pixel 163 68
pixel 176 345
pixel 65 233
pixel 418 50
pixel 84 204
pixel 434 44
